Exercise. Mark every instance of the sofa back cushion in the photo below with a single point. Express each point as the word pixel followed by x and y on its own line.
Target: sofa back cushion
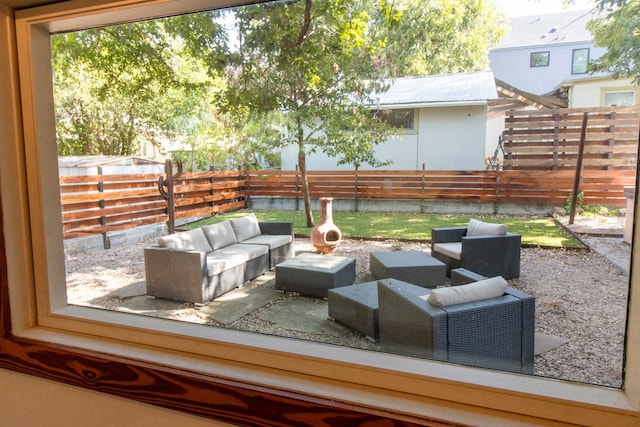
pixel 476 291
pixel 220 235
pixel 191 240
pixel 246 227
pixel 480 228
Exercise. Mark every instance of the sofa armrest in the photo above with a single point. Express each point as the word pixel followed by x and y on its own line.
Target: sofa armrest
pixel 170 272
pixel 276 227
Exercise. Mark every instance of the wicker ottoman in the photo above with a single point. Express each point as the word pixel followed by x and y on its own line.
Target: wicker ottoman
pixel 314 274
pixel 356 306
pixel 415 267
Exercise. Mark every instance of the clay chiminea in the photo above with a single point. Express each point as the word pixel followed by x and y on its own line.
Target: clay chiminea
pixel 325 236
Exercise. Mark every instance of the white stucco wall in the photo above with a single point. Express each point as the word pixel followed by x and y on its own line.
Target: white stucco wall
pixel 447 138
pixel 590 92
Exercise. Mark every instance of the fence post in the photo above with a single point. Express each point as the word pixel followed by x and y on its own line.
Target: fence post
pixel 106 243
pixel 422 189
pixel 576 181
pixel 611 140
pixel 356 199
pixel 165 187
pixel 556 141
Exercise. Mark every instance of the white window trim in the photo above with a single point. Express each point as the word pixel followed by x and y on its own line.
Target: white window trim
pixel 416 388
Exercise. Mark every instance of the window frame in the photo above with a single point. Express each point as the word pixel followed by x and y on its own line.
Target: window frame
pixel 619 89
pixel 401 130
pixel 225 375
pixel 573 60
pixel 547 53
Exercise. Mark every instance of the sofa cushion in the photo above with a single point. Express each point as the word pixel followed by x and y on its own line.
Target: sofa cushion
pixel 217 263
pixel 191 240
pixel 246 227
pixel 220 235
pixel 272 240
pixel 249 252
pixel 451 249
pixel 480 228
pixel 476 291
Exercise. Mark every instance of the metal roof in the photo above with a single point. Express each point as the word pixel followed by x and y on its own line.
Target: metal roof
pixel 92 161
pixel 549 29
pixel 462 88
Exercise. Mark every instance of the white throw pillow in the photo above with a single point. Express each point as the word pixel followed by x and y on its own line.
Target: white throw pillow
pixel 192 240
pixel 246 227
pixel 480 228
pixel 476 291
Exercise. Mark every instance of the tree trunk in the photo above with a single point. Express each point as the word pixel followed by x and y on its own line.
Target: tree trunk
pixel 302 164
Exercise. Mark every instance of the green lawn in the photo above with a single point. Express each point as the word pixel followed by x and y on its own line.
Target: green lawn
pixel 535 230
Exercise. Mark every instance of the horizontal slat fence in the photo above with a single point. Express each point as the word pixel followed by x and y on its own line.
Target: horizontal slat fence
pixel 103 203
pixel 550 139
pixel 507 186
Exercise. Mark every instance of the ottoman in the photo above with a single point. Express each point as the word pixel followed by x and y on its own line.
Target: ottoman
pixel 356 306
pixel 415 267
pixel 314 274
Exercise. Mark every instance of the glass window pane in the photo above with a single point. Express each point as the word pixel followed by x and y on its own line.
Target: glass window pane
pixel 540 59
pixel 580 61
pixel 621 99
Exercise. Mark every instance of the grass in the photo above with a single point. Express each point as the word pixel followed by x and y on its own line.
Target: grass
pixel 535 230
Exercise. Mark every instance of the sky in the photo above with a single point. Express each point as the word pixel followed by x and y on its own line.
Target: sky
pixel 535 7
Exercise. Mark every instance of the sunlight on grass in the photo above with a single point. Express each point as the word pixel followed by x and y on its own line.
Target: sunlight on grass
pixel 535 230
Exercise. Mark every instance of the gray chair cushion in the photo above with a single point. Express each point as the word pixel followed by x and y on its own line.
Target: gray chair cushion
pixel 220 235
pixel 249 252
pixel 191 240
pixel 217 263
pixel 246 227
pixel 273 241
pixel 451 249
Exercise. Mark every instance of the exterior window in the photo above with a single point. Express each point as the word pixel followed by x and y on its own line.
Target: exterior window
pixel 579 61
pixel 403 118
pixel 620 98
pixel 540 59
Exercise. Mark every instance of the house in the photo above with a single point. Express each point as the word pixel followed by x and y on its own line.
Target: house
pixel 107 165
pixel 600 91
pixel 441 120
pixel 541 51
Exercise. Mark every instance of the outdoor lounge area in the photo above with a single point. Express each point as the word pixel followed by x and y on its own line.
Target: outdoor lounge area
pixel 261 305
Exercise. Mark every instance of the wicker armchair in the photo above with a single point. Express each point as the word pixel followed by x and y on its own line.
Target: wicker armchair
pixel 495 333
pixel 489 255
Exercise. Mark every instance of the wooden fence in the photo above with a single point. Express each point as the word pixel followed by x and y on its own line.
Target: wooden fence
pixel 104 203
pixel 550 188
pixel 550 139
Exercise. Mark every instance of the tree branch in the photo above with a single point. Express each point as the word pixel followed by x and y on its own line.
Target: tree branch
pixel 307 22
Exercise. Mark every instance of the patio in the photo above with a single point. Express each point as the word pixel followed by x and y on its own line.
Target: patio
pixel 581 299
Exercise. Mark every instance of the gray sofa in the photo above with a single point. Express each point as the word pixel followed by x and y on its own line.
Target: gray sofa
pixel 495 333
pixel 201 264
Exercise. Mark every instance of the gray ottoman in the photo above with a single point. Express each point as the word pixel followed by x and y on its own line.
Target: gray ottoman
pixel 415 267
pixel 356 306
pixel 315 274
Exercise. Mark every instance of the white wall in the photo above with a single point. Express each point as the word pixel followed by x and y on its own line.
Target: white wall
pixel 513 66
pixel 589 93
pixel 447 138
pixel 32 401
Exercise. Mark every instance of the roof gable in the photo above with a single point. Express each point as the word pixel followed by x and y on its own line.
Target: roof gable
pixel 549 29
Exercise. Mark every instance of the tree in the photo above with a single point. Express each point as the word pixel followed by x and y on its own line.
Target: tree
pixel 118 86
pixel 619 32
pixel 316 62
pixel 444 36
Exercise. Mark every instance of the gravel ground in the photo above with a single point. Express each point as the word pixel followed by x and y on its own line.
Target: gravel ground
pixel 580 296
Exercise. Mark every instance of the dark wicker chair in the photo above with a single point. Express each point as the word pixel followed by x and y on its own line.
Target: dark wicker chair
pixel 496 333
pixel 486 255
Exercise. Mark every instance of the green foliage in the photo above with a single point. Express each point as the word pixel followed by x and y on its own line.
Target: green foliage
pixel 618 30
pixel 579 201
pixel 535 230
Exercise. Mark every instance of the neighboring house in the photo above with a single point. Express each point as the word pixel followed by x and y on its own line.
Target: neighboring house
pixel 601 92
pixel 541 51
pixel 107 165
pixel 441 120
